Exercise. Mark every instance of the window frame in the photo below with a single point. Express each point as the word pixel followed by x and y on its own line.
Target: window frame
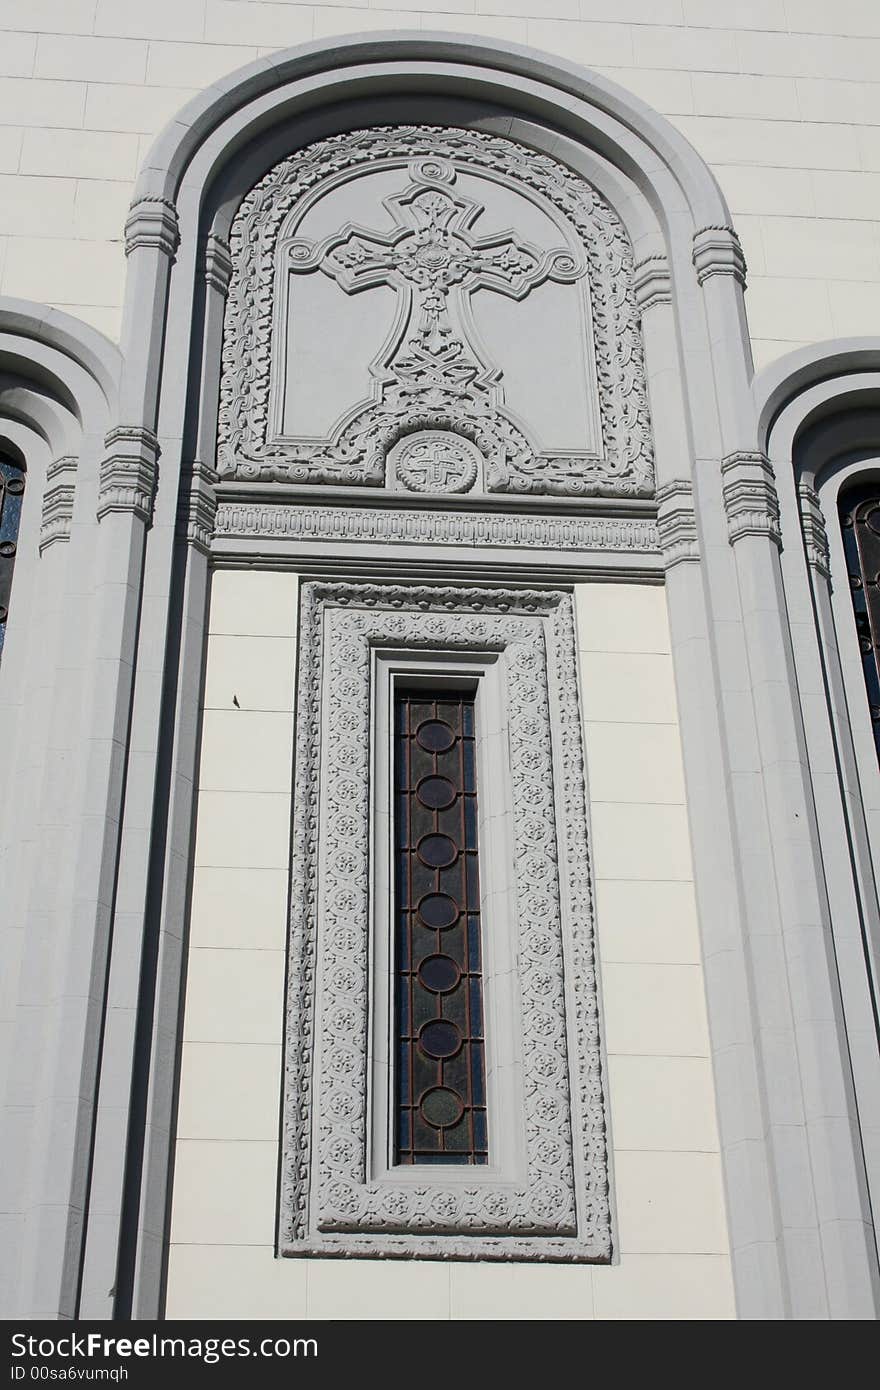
pixel 329 1202
pixel 482 673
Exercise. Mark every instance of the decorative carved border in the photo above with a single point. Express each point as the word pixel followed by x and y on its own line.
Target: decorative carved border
pixel 561 1210
pixel 578 533
pixel 243 451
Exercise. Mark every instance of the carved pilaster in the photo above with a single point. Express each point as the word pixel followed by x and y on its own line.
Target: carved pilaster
pixel 197 508
pixel 717 251
pixel 128 472
pixel 652 282
pixel 152 222
pixel 677 522
pixel 750 499
pixel 58 501
pixel 218 263
pixel 813 527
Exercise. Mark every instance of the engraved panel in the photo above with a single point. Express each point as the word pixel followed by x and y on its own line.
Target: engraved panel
pixel 456 358
pixel 558 1208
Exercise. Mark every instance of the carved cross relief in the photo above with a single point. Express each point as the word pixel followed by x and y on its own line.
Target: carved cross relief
pixel 438 419
pixel 433 374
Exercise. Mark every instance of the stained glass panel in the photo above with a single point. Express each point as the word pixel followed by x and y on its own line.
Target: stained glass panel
pixel 441 1069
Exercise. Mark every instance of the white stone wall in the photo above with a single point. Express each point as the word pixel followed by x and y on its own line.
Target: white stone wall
pixel 670 1227
pixel 780 96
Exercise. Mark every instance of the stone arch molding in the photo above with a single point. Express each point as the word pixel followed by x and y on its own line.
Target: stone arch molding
pixel 436 394
pixel 158 521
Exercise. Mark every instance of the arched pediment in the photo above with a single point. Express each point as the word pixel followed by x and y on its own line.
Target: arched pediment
pixel 502 352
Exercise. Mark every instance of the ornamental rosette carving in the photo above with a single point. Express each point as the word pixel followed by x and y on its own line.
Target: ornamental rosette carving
pixel 432 381
pixel 559 1208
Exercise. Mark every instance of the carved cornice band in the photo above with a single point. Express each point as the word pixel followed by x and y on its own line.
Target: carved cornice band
pixel 677 522
pixel 717 251
pixel 128 472
pixel 750 499
pixel 153 223
pixel 58 501
pixel 652 282
pixel 815 533
pixel 280 521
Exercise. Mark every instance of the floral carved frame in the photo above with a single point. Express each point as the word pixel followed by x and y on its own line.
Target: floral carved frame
pixel 558 1207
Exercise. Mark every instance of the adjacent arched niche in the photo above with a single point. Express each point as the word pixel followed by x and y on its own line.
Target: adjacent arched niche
pixel 819 421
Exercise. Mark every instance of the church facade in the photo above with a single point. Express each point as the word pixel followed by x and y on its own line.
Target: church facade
pixel 440 702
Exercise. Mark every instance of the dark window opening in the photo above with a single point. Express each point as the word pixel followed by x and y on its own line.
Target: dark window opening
pixel 860 522
pixel 11 495
pixel 440 1090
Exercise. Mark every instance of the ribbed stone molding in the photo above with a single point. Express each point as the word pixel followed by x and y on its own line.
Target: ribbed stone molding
pixel 128 472
pixel 58 501
pixel 152 222
pixel 717 251
pixel 815 533
pixel 652 282
pixel 218 263
pixel 677 522
pixel 750 500
pixel 198 505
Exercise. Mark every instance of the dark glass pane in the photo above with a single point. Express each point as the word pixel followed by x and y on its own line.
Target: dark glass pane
pixel 450 712
pixel 435 736
pixel 438 910
pixel 457 1138
pixel 421 822
pixel 440 1039
pixel 11 497
pixel 440 1064
pixel 478 1074
pixel 442 1107
pixel 480 1141
pixel 424 1006
pixel 473 943
pixel 437 851
pixel 439 973
pixel 860 524
pixel 470 822
pixel 436 792
pixel 455 1006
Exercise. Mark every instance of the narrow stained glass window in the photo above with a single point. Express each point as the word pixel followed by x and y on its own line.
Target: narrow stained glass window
pixel 441 1067
pixel 860 521
pixel 11 492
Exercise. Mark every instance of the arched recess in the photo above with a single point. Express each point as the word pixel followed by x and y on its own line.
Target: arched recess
pixel 717 539
pixel 58 380
pixel 819 413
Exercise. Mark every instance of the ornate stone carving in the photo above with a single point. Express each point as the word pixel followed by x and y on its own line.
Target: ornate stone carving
pixel 559 1210
pixel 575 533
pixel 152 222
pixel 431 377
pixel 750 499
pixel 128 472
pixel 58 501
pixel 652 283
pixel 677 522
pixel 813 526
pixel 436 461
pixel 717 251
